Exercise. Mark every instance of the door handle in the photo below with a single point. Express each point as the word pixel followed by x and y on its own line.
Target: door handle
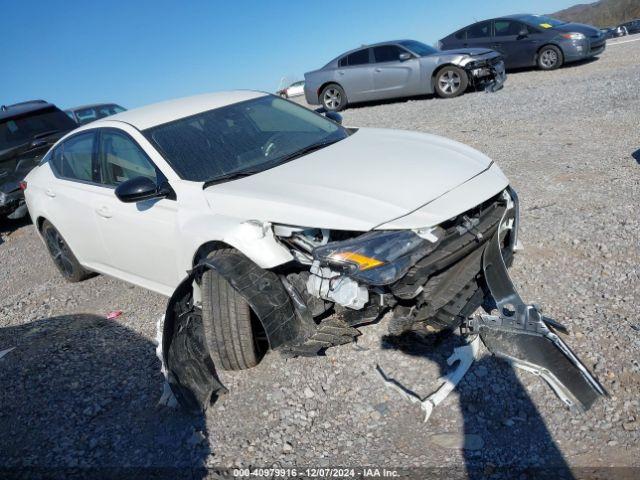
pixel 50 193
pixel 496 45
pixel 104 212
pixel 378 69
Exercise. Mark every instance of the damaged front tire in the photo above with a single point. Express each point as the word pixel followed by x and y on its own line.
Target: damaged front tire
pixel 233 337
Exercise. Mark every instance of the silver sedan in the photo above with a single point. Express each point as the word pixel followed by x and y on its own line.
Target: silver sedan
pixel 401 68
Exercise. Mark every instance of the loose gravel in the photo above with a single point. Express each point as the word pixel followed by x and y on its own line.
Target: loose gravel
pixel 80 391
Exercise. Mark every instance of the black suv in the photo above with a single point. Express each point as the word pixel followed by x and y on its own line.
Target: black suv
pixel 27 130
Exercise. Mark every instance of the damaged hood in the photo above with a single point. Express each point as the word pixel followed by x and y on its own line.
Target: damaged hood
pixel 365 181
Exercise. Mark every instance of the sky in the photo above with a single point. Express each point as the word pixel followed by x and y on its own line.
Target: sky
pixel 137 52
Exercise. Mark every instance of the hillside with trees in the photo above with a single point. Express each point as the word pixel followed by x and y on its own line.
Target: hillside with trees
pixel 606 13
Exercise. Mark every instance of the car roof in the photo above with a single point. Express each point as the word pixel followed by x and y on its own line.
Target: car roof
pixel 170 110
pixel 90 105
pixel 10 111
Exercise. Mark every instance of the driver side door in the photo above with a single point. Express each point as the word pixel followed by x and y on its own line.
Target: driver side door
pixel 393 77
pixel 140 237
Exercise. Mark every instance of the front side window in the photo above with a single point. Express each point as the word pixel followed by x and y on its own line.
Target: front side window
pixel 360 57
pixel 121 158
pixel 73 158
pixel 506 28
pixel 479 30
pixel 242 138
pixel 387 53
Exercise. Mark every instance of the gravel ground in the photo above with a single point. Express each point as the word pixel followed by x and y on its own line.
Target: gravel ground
pixel 81 391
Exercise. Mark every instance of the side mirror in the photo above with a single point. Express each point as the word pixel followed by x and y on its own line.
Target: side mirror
pixel 404 56
pixel 137 189
pixel 336 117
pixel 523 33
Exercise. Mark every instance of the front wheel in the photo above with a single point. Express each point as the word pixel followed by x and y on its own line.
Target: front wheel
pixel 62 256
pixel 234 336
pixel 451 81
pixel 333 98
pixel 549 58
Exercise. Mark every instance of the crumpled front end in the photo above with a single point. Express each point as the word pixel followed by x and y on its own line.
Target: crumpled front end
pixel 486 70
pixel 430 279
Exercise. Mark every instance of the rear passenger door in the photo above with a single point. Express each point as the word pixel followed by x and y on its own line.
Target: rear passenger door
pixel 518 50
pixel 393 77
pixel 355 75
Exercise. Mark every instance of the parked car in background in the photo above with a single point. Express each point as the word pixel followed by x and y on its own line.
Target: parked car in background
pixel 630 28
pixel 294 90
pixel 27 131
pixel 608 32
pixel 401 68
pixel 90 113
pixel 528 40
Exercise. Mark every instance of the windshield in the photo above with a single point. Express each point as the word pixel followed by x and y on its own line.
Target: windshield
pixel 541 21
pixel 25 128
pixel 418 48
pixel 249 136
pixel 89 114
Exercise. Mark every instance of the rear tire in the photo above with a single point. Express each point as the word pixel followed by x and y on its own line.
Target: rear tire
pixel 62 256
pixel 549 58
pixel 227 319
pixel 333 98
pixel 451 81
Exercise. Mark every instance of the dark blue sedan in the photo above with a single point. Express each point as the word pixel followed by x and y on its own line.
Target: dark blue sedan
pixel 527 40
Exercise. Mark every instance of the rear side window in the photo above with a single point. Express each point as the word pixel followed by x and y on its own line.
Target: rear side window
pixel 360 57
pixel 461 35
pixel 122 159
pixel 73 158
pixel 479 30
pixel 387 53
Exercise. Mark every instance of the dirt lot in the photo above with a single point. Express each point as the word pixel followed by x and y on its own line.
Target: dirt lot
pixel 81 391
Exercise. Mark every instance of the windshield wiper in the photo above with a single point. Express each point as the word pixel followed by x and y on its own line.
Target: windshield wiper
pixel 230 176
pixel 308 149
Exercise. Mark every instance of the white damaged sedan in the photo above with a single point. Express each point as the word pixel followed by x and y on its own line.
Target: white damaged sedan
pixel 273 227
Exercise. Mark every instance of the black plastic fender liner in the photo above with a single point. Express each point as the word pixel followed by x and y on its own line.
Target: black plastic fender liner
pixel 190 371
pixel 266 295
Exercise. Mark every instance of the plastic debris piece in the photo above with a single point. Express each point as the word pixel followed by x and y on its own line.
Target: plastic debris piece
pixel 114 314
pixel 4 352
pixel 465 355
pixel 167 398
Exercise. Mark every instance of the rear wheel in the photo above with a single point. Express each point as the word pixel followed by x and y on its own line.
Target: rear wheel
pixel 451 81
pixel 235 337
pixel 549 57
pixel 61 254
pixel 333 98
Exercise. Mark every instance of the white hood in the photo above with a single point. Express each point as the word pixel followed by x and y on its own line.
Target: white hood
pixel 371 178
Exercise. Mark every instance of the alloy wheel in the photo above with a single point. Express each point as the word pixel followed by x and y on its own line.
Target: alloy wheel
pixel 549 58
pixel 332 98
pixel 450 82
pixel 59 252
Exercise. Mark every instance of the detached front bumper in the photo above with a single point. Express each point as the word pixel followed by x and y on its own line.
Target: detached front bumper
pixel 12 205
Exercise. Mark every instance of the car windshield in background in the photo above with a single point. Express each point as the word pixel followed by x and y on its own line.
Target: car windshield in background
pixel 25 128
pixel 541 21
pixel 419 48
pixel 86 115
pixel 242 138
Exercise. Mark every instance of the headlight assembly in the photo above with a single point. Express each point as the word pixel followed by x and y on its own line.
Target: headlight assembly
pixel 379 257
pixel 573 36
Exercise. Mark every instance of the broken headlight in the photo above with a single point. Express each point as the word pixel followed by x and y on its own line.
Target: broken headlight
pixel 380 257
